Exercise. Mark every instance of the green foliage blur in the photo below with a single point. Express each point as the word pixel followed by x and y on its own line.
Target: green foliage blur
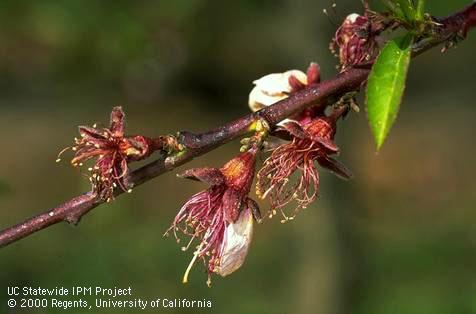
pixel 399 238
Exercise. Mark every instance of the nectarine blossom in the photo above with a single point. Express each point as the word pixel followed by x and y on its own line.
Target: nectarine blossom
pixel 220 218
pixel 309 143
pixel 112 151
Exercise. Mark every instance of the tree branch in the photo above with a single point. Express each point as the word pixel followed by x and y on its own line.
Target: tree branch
pixel 73 210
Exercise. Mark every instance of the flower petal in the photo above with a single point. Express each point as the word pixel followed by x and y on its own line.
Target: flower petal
pixel 236 243
pixel 278 83
pixel 272 88
pixel 259 99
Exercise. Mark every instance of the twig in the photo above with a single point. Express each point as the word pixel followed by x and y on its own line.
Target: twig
pixel 73 210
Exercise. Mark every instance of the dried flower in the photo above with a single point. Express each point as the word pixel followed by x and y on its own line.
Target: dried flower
pixel 309 143
pixel 219 217
pixel 112 151
pixel 355 42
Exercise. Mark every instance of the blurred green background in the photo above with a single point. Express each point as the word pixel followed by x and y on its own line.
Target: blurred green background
pixel 399 238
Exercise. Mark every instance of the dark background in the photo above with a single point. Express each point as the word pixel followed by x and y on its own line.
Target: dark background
pixel 399 238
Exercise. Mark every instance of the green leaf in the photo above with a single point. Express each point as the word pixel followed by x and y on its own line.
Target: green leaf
pixel 386 85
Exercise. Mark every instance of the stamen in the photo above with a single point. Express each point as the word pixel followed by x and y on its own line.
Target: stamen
pixel 265 194
pixel 184 248
pixel 58 159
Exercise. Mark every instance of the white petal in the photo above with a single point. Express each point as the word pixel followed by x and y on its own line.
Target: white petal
pixel 260 99
pixel 277 83
pixel 272 88
pixel 351 18
pixel 235 244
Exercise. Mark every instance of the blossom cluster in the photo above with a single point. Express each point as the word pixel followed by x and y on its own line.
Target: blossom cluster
pixel 219 220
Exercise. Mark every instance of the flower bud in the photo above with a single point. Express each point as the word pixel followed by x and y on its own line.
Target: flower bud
pixel 355 42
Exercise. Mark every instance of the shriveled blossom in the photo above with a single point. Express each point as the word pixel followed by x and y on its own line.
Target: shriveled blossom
pixel 277 86
pixel 220 218
pixel 355 41
pixel 290 174
pixel 111 151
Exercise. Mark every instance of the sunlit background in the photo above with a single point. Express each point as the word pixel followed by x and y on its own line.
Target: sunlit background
pixel 399 238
